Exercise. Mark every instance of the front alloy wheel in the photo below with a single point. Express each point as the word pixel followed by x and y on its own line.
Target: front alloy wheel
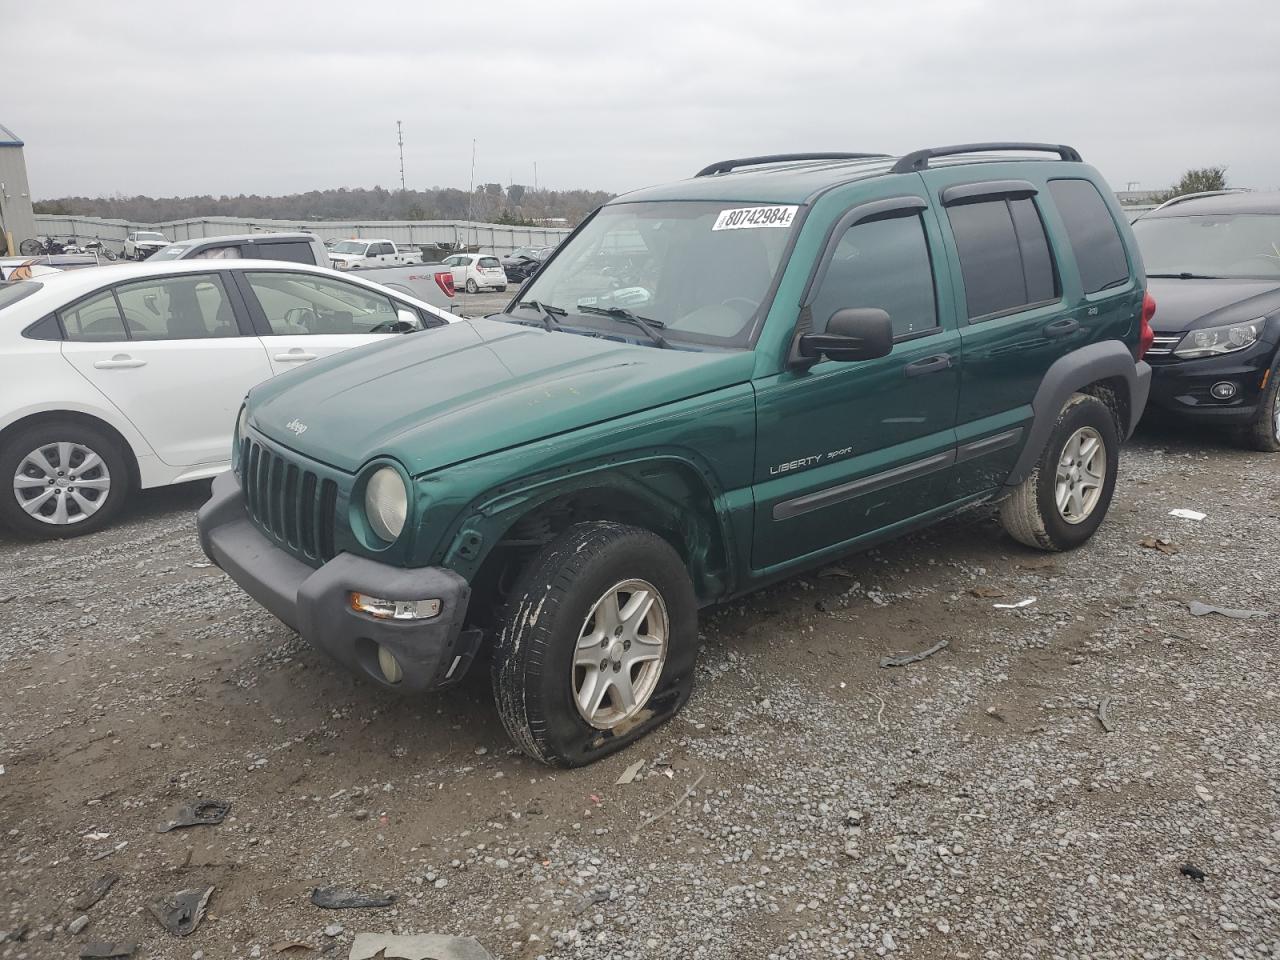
pixel 596 645
pixel 620 653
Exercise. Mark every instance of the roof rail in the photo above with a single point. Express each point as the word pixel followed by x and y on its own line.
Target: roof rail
pixel 1181 198
pixel 919 159
pixel 724 166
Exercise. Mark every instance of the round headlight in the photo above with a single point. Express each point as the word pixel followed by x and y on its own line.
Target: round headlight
pixel 386 503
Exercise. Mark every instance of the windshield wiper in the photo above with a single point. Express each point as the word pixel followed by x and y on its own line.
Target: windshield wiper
pixel 650 327
pixel 1184 275
pixel 549 313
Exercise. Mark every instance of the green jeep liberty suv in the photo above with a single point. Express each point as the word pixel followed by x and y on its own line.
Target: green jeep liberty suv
pixel 709 386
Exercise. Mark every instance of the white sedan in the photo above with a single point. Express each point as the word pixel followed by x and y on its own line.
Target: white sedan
pixel 474 271
pixel 132 375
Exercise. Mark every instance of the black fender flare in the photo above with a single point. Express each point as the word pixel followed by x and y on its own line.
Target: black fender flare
pixel 1104 360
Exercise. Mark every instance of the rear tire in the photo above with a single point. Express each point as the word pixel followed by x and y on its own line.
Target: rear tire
pixel 1264 432
pixel 501 289
pixel 471 287
pixel 29 247
pixel 1066 497
pixel 32 506
pixel 559 704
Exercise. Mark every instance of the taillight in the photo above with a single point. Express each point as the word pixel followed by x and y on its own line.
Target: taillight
pixel 1146 336
pixel 444 280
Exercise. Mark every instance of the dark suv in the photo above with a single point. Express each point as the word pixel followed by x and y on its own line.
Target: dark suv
pixel 787 359
pixel 1214 266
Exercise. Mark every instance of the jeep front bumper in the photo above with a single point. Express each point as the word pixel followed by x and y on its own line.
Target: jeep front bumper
pixel 430 653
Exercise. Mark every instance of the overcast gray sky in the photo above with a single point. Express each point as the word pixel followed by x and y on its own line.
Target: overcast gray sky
pixel 278 97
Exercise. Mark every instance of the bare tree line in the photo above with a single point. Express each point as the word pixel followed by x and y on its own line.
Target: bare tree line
pixel 491 202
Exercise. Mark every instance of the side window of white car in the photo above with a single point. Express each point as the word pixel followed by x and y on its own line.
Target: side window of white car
pixel 95 320
pixel 187 307
pixel 300 303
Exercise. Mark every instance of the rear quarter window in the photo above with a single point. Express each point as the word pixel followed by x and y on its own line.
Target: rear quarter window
pixel 1092 232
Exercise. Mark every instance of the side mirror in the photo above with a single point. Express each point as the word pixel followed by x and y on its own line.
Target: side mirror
pixel 407 317
pixel 854 333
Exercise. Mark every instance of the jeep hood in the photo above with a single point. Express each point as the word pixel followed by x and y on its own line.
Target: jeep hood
pixel 1183 304
pixel 474 387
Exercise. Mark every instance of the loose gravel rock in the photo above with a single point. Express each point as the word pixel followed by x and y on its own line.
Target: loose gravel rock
pixel 970 805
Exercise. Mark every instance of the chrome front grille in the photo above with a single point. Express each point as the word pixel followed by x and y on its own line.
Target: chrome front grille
pixel 1164 344
pixel 290 503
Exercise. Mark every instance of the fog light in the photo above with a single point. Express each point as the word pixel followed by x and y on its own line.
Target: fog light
pixel 395 609
pixel 389 665
pixel 1223 390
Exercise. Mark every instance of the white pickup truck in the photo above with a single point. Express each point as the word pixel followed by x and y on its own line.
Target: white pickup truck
pixel 361 254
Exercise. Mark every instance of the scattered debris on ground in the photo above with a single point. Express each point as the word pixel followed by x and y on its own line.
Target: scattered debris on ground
pixel 181 912
pixel 907 658
pixel 341 898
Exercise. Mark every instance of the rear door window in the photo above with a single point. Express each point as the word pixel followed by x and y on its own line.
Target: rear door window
pixel 1095 241
pixel 1004 256
pixel 186 307
pixel 294 251
pixel 489 263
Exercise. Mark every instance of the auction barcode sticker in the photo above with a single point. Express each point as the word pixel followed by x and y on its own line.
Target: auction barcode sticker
pixel 747 218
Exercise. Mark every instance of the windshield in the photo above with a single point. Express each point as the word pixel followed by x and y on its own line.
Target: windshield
pixel 1234 246
pixel 700 269
pixel 152 236
pixel 350 246
pixel 11 293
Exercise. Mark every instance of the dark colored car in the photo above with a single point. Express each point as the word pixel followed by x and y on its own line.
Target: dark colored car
pixel 1214 270
pixel 792 358
pixel 524 262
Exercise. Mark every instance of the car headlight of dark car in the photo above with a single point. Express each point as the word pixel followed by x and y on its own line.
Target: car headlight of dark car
pixel 1214 341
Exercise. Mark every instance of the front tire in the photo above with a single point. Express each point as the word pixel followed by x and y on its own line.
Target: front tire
pixel 597 644
pixel 61 479
pixel 1069 492
pixel 1264 432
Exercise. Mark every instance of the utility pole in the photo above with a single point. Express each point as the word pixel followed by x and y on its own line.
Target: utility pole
pixel 400 140
pixel 535 176
pixel 471 196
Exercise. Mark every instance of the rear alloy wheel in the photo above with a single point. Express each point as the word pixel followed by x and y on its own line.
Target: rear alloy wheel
pixel 1069 491
pixel 597 644
pixel 64 480
pixel 471 286
pixel 1264 432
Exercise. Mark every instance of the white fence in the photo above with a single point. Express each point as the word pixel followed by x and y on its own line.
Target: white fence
pixel 489 237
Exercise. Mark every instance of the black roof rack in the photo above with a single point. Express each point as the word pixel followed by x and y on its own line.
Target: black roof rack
pixel 919 160
pixel 724 166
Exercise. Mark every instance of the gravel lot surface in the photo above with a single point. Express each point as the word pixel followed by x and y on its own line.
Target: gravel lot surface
pixel 807 803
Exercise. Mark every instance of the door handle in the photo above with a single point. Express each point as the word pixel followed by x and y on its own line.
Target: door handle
pixel 121 361
pixel 1062 327
pixel 935 364
pixel 294 356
